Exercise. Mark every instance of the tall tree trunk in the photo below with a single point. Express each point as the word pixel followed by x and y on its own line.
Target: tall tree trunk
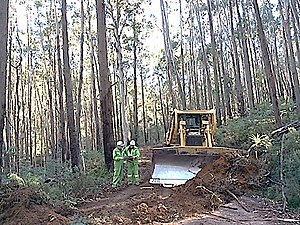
pixel 172 64
pixel 205 63
pixel 181 55
pixel 287 54
pixel 62 118
pixel 17 108
pixel 222 95
pixel 267 65
pixel 167 57
pixel 94 140
pixel 197 91
pixel 79 93
pixel 29 105
pixel 189 78
pixel 156 121
pixel 296 25
pixel 226 81
pixel 8 106
pixel 278 69
pixel 236 66
pixel 51 114
pixel 118 131
pixel 144 111
pixel 292 60
pixel 93 83
pixel 215 65
pixel 135 105
pixel 74 142
pixel 106 92
pixel 245 58
pixel 117 32
pixel 162 106
pixel 4 4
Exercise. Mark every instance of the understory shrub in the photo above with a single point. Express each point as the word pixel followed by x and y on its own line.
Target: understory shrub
pixel 253 132
pixel 60 185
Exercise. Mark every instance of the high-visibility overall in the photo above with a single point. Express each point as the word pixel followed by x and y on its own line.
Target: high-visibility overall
pixel 118 167
pixel 132 164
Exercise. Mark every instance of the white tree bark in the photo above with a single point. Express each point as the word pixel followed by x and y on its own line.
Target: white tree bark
pixel 3 63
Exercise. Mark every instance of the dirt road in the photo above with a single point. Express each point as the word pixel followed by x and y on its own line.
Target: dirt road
pixel 148 204
pixel 207 199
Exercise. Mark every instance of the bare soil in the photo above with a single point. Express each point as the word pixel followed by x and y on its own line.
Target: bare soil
pixel 219 194
pixel 26 207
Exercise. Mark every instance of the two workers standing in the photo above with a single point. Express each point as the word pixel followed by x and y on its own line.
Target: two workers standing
pixel 130 156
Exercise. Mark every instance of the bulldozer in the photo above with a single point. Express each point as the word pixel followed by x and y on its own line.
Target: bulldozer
pixel 189 145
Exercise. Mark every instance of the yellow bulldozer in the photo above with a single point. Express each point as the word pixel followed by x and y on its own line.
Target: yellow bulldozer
pixel 189 145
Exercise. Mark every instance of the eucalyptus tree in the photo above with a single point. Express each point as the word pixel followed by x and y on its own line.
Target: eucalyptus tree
pixel 118 11
pixel 291 51
pixel 74 139
pixel 224 59
pixel 93 77
pixel 181 53
pixel 81 54
pixel 236 67
pixel 138 24
pixel 215 64
pixel 296 26
pixel 169 57
pixel 61 106
pixel 207 79
pixel 141 26
pixel 3 73
pixel 267 65
pixel 106 101
pixel 243 34
pixel 135 100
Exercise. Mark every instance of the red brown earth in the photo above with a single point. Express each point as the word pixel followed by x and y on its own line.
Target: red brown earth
pixel 219 194
pixel 25 206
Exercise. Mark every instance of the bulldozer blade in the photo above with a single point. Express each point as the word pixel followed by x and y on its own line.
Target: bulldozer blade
pixel 171 169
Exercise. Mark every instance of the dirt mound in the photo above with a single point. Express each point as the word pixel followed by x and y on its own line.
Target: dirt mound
pixel 216 184
pixel 25 206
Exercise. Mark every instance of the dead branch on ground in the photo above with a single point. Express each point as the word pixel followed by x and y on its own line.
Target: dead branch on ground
pixel 238 201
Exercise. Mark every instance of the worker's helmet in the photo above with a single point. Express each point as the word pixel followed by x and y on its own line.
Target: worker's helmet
pixel 120 143
pixel 132 142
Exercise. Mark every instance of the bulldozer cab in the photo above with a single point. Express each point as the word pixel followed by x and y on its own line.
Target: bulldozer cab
pixel 189 145
pixel 192 128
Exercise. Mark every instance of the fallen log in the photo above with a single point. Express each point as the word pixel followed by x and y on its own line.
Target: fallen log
pixel 238 201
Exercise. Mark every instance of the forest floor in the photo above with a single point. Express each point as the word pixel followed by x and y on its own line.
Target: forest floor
pixel 212 197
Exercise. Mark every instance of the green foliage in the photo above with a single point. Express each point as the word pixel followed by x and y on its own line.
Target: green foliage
pixel 251 133
pixel 238 132
pixel 14 178
pixel 261 143
pixel 61 186
pixel 291 168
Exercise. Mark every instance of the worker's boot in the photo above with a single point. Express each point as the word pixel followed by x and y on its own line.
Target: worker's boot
pixel 129 179
pixel 137 180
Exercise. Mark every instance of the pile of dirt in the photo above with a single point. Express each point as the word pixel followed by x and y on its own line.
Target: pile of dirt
pixel 25 206
pixel 216 184
pixel 153 209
